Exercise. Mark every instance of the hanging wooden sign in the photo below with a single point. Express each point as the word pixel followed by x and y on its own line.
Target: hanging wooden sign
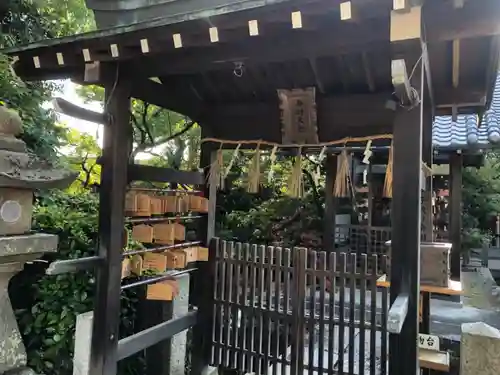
pixel 125 268
pixel 136 265
pixel 176 259
pixel 137 204
pixel 191 254
pixel 203 254
pixel 162 291
pixel 171 204
pixel 164 234
pixel 154 262
pixel 298 116
pixel 156 206
pixel 142 233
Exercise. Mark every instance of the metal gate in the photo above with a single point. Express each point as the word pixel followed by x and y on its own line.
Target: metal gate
pixel 297 311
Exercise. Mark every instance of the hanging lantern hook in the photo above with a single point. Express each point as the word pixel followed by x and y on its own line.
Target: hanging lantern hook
pixel 238 69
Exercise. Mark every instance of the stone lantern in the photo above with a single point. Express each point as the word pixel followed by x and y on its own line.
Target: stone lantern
pixel 20 175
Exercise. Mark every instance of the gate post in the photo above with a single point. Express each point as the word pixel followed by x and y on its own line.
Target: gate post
pixel 406 229
pixel 202 286
pixel 298 296
pixel 115 158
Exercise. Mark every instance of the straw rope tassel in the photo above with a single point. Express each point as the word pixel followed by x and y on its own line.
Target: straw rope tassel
pixel 295 186
pixel 341 188
pixel 233 159
pixel 388 175
pixel 273 161
pixel 254 173
pixel 215 175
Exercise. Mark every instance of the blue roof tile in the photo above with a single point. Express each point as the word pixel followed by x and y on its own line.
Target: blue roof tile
pixel 465 132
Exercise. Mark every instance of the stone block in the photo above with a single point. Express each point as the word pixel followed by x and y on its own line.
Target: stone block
pixel 479 349
pixel 83 338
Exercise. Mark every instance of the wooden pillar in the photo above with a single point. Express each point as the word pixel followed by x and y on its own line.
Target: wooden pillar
pixel 115 157
pixel 330 204
pixel 406 221
pixel 202 285
pixel 427 158
pixel 455 213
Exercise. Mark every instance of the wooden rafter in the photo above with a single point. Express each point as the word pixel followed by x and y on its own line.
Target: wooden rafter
pixel 456 63
pixel 317 76
pixel 368 72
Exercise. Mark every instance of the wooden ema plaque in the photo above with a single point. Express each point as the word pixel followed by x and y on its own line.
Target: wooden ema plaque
pixel 176 259
pixel 169 233
pixel 162 291
pixel 125 268
pixel 137 204
pixel 171 204
pixel 191 254
pixel 142 233
pixel 156 206
pixel 203 254
pixel 164 234
pixel 198 204
pixel 136 265
pixel 155 262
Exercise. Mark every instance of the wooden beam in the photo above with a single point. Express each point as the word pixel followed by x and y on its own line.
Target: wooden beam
pixel 368 72
pixel 115 156
pixel 455 214
pixel 163 96
pixel 407 25
pixel 317 76
pixel 406 228
pixel 456 63
pixel 69 109
pixel 338 117
pixel 330 204
pixel 137 172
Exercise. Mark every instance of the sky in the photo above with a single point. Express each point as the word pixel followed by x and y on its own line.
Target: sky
pixel 69 93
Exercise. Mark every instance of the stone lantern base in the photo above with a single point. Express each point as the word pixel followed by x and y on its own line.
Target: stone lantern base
pixel 15 251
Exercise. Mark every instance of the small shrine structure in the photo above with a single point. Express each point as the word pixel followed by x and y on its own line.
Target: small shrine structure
pixel 301 76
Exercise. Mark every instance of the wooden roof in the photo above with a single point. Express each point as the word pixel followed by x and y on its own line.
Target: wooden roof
pixel 196 57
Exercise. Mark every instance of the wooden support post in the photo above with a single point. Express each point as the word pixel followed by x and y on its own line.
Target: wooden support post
pixel 406 221
pixel 202 285
pixel 115 156
pixel 330 204
pixel 157 356
pixel 427 157
pixel 455 213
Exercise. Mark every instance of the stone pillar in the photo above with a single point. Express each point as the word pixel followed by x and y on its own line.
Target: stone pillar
pixel 83 337
pixel 12 351
pixel 479 349
pixel 178 343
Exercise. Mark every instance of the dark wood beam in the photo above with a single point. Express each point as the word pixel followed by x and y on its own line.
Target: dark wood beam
pixel 67 108
pixel 455 214
pixel 330 204
pixel 338 117
pixel 117 135
pixel 476 19
pixel 368 72
pixel 406 222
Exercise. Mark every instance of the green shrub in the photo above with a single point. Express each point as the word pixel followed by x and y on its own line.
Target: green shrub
pixel 47 306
